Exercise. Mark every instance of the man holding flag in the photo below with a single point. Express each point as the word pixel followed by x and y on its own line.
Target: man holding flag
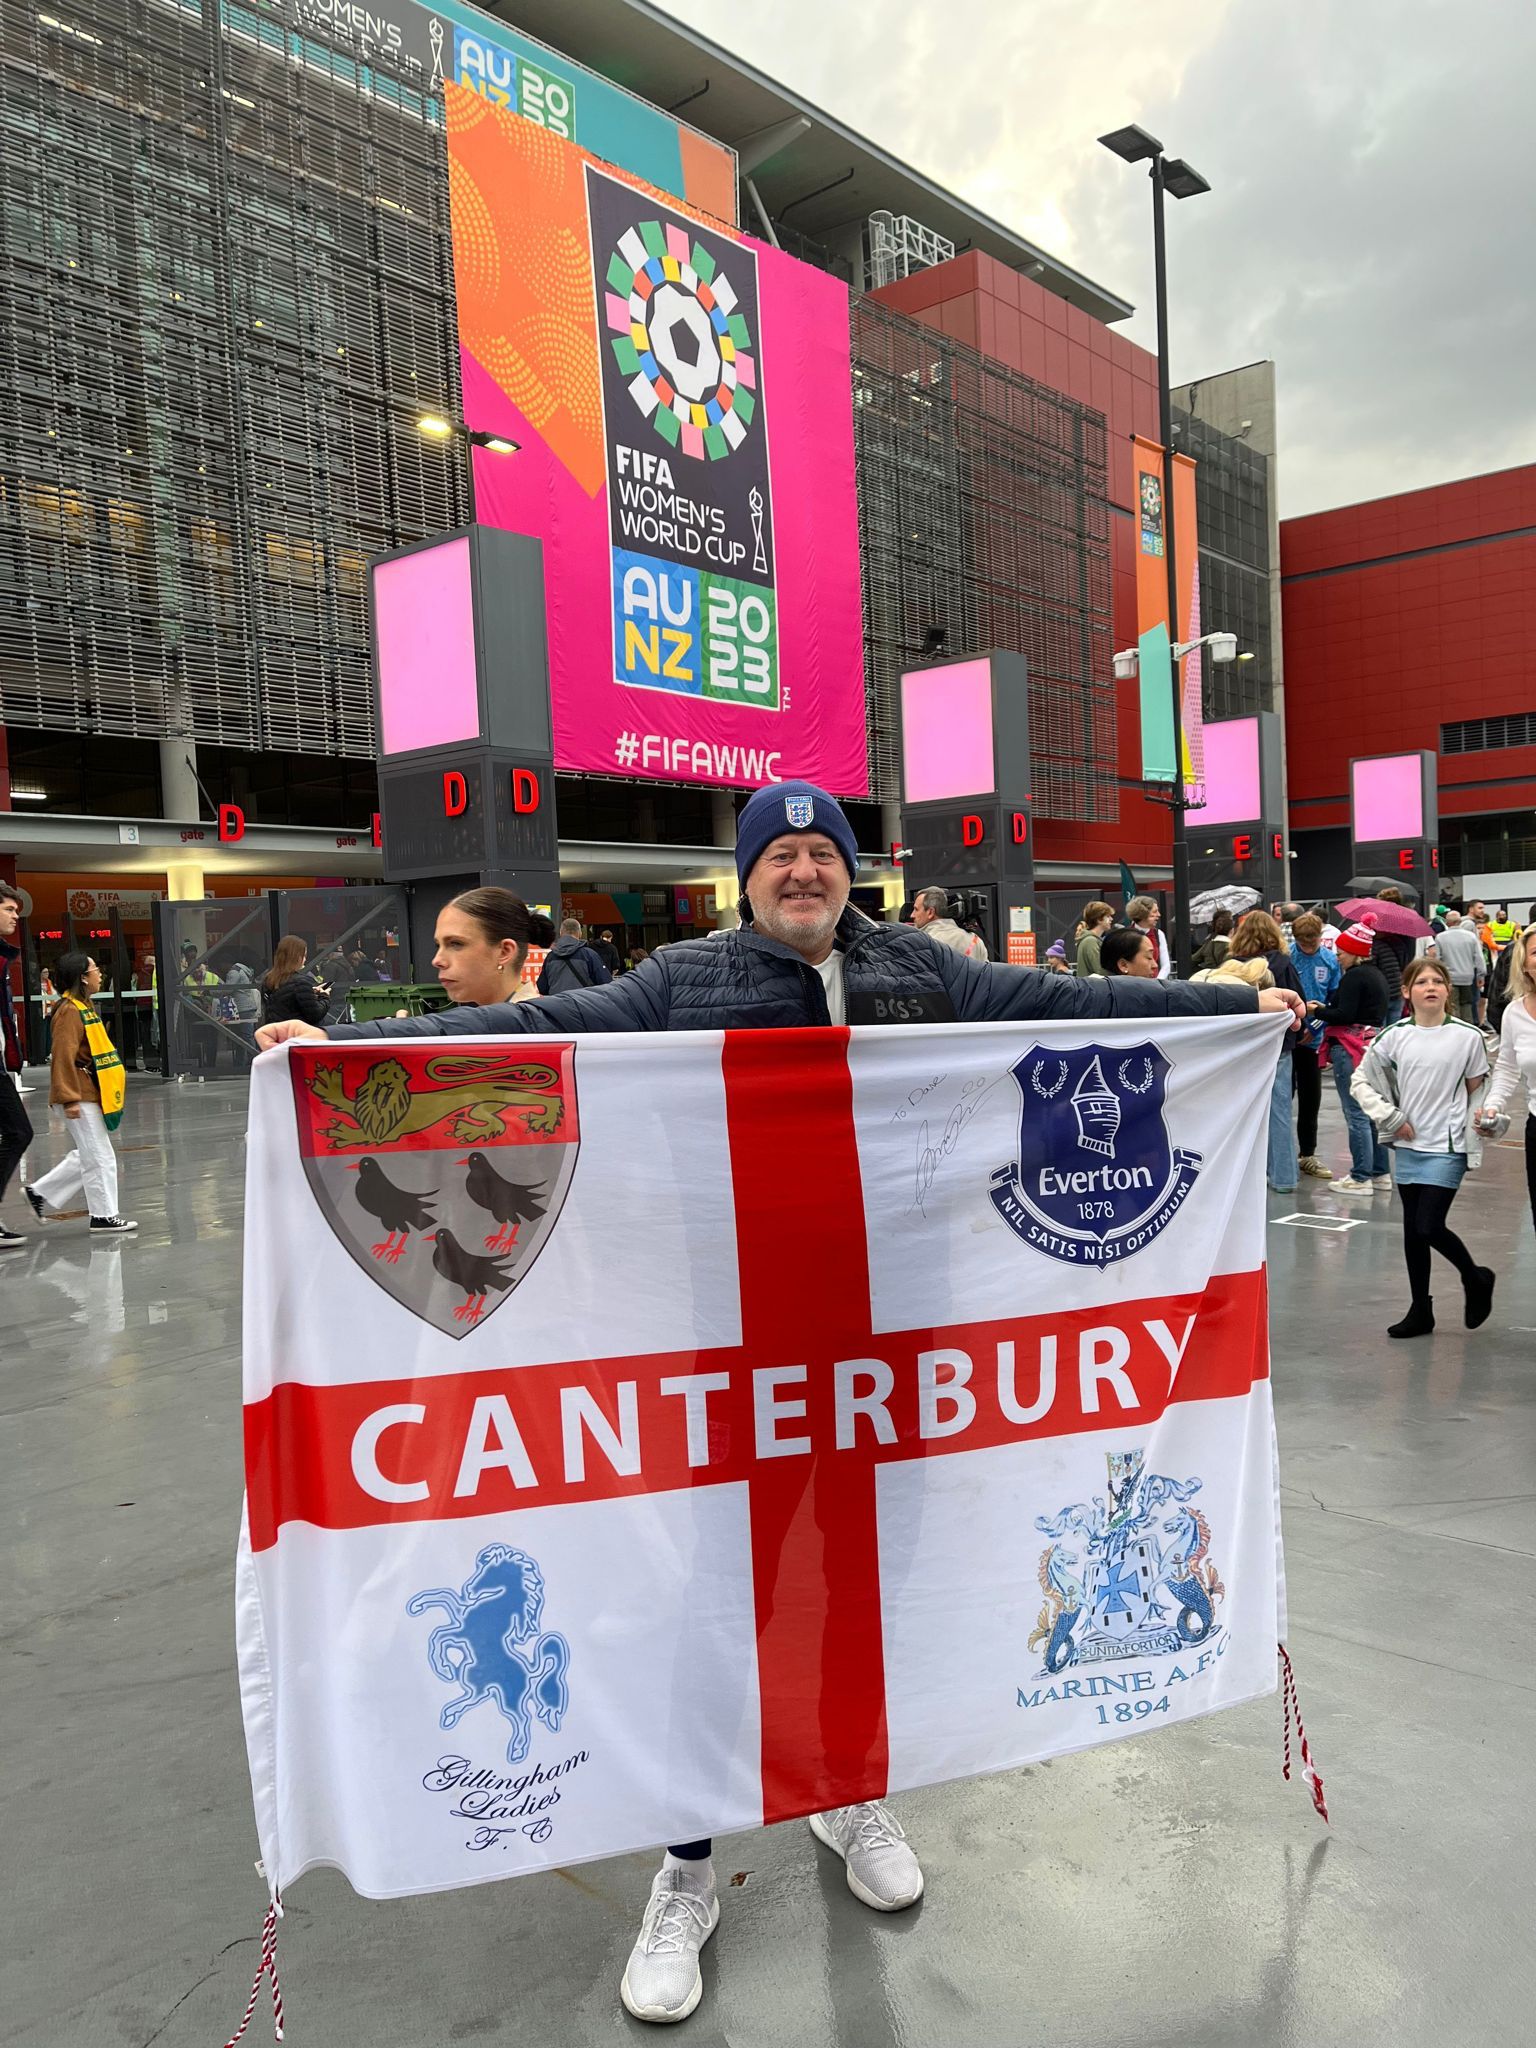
pixel 802 957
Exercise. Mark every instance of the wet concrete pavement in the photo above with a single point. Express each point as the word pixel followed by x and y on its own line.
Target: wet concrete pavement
pixel 1167 1892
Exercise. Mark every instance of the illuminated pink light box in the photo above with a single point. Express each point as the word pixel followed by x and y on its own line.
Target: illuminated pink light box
pixel 424 620
pixel 946 732
pixel 1233 789
pixel 1387 798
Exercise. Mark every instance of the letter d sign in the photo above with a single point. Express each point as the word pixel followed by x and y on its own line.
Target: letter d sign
pixel 455 794
pixel 525 790
pixel 231 823
pixel 970 829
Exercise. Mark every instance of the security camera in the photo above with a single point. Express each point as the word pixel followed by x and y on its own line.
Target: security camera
pixel 1127 665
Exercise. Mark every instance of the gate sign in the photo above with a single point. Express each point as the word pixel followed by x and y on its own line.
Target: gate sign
pixel 955 1501
pixel 680 399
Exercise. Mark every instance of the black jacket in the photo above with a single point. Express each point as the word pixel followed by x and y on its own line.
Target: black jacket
pixel 1498 985
pixel 297 997
pixel 1361 998
pixel 1390 956
pixel 1283 968
pixel 741 978
pixel 572 964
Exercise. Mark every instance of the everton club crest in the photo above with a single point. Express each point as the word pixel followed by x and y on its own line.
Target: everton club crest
pixel 1097 1177
pixel 441 1172
pixel 1130 1576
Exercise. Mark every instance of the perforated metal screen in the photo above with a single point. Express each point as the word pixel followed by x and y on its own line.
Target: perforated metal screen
pixel 225 298
pixel 984 511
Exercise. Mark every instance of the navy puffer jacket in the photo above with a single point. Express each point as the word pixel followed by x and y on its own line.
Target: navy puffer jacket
pixel 742 979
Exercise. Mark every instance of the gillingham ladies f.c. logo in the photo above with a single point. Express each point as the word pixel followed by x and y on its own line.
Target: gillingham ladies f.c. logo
pixel 1097 1177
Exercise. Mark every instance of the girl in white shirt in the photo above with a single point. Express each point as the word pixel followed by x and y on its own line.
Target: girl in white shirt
pixel 1514 1071
pixel 1415 1083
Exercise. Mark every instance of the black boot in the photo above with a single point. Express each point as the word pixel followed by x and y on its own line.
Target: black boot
pixel 1419 1321
pixel 1480 1296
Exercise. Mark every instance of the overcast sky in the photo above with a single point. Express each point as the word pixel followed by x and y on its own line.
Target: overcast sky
pixel 1371 224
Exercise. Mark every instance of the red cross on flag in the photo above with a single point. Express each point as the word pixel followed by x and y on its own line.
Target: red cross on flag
pixel 652 1436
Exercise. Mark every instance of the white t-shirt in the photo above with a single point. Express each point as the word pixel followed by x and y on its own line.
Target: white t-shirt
pixel 1433 1065
pixel 831 972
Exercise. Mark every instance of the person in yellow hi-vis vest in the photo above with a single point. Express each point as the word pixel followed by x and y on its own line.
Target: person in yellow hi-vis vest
pixel 1501 929
pixel 88 1084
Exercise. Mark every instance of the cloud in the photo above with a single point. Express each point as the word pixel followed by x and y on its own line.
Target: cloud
pixel 1371 167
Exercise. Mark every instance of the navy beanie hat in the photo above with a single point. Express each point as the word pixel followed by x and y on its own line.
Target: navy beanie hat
pixel 791 807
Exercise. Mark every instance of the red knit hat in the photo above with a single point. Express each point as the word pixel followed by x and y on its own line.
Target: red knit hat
pixel 1356 939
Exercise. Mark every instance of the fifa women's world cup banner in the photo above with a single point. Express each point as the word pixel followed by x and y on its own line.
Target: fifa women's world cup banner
pixel 681 399
pixel 654 1436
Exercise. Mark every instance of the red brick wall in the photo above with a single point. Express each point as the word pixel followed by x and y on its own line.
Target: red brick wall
pixel 1425 613
pixel 979 301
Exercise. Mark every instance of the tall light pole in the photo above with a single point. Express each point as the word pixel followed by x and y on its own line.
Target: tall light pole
pixel 1168 174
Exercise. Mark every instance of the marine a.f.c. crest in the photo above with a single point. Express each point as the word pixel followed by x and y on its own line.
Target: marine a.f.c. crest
pixel 442 1172
pixel 1097 1177
pixel 1122 1578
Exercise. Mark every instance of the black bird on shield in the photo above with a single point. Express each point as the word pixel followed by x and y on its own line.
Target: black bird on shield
pixel 400 1210
pixel 471 1272
pixel 508 1201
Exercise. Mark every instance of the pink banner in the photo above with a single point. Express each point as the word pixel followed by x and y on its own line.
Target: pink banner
pixel 681 397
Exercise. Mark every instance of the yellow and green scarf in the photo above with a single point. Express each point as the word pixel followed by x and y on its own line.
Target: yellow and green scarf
pixel 108 1062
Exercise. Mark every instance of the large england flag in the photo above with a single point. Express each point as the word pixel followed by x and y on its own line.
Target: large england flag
pixel 653 1436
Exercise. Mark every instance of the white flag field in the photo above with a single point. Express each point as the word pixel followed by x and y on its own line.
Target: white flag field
pixel 653 1436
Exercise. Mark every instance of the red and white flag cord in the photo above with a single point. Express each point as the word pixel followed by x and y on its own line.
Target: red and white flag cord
pixel 1311 1777
pixel 266 1968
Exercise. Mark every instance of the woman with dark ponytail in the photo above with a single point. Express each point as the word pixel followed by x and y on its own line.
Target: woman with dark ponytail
pixel 482 940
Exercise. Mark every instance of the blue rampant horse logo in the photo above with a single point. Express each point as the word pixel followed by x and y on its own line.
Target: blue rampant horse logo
pixel 1097 1177
pixel 491 1645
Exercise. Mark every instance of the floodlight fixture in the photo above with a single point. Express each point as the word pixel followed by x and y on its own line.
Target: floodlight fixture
pixel 1182 179
pixel 1133 144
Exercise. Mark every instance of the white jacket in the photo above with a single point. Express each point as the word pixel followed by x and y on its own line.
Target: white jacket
pixel 1374 1087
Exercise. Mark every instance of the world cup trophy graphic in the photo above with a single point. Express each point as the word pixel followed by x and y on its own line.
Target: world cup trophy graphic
pixel 1097 1109
pixel 755 507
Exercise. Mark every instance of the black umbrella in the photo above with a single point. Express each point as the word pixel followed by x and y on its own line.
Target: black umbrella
pixel 1372 885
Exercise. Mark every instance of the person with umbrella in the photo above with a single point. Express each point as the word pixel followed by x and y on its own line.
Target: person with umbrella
pixel 1214 951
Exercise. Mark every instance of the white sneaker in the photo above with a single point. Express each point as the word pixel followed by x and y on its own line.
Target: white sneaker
pixel 1350 1186
pixel 1382 1183
pixel 882 1870
pixel 662 1979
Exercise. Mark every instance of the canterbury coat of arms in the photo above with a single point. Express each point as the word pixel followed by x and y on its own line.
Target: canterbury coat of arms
pixel 442 1172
